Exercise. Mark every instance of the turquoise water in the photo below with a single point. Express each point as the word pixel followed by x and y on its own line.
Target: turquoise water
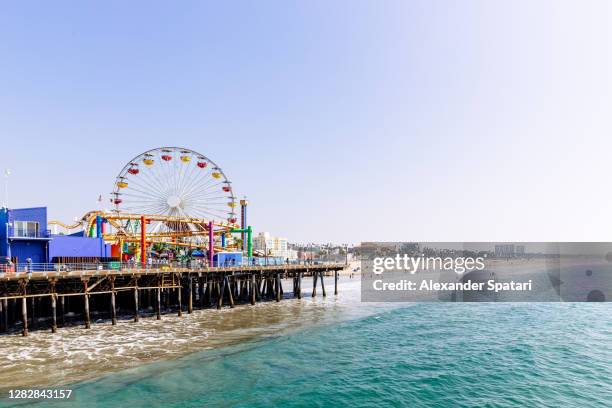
pixel 442 355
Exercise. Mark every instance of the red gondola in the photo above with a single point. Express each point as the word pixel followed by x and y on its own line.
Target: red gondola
pixel 117 201
pixel 227 189
pixel 232 220
pixel 133 170
pixel 201 164
pixel 166 157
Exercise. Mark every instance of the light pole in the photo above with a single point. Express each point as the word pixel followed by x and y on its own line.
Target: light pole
pixel 7 173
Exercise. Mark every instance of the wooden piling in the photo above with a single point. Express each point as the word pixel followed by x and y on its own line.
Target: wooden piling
pixel 62 300
pixel 53 313
pixel 335 282
pixel 314 283
pixel 257 288
pixel 229 291
pixel 220 292
pixel 201 291
pixel 113 302
pixel 24 315
pixel 2 327
pixel 33 313
pixel 5 316
pixel 190 297
pixel 179 300
pixel 136 315
pixel 53 306
pixel 14 310
pixel 271 287
pixel 253 294
pixel 264 286
pixel 299 285
pixel 86 305
pixel 278 287
pixel 322 284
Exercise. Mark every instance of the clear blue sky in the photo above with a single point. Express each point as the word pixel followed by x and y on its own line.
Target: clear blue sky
pixel 340 120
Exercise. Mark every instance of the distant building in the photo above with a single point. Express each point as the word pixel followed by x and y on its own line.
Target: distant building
pixel 505 250
pixel 519 250
pixel 305 255
pixel 273 246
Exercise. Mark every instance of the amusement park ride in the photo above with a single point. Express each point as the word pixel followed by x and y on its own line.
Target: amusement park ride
pixel 165 198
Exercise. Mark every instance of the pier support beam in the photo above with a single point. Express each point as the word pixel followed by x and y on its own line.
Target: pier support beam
pixel 180 299
pixel 220 292
pixel 257 288
pixel 208 292
pixel 253 294
pixel 278 287
pixel 322 285
pixel 244 289
pixel 299 285
pixel 53 307
pixel 190 296
pixel 136 314
pixel 53 313
pixel 335 282
pixel 201 291
pixel 5 315
pixel 314 283
pixel 62 310
pixel 158 298
pixel 264 287
pixel 2 326
pixel 24 315
pixel 33 313
pixel 113 302
pixel 226 283
pixel 86 306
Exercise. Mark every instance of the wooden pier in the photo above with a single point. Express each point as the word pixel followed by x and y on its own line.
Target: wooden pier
pixel 64 296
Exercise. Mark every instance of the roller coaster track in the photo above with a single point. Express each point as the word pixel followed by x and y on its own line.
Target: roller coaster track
pixel 121 234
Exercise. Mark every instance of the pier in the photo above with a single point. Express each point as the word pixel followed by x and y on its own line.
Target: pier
pixel 66 294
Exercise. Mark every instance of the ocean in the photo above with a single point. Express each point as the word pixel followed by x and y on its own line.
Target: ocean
pixel 385 355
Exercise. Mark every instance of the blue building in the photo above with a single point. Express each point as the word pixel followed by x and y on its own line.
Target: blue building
pixel 24 235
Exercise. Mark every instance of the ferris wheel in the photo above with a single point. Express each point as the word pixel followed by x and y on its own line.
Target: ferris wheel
pixel 174 182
